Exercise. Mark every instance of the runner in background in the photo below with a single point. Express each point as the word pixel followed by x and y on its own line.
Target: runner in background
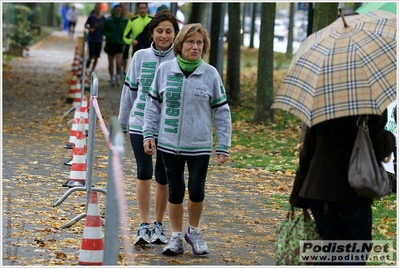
pixel 72 16
pixel 135 26
pixel 94 24
pixel 126 53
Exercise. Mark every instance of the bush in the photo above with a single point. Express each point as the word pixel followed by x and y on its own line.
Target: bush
pixel 22 13
pixel 20 35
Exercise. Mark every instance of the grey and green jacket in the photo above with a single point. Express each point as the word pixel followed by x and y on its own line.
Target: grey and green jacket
pixel 185 109
pixel 137 85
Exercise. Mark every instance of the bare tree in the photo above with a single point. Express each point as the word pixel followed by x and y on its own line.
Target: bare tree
pixel 233 55
pixel 197 12
pixel 290 29
pixel 265 92
pixel 251 42
pixel 216 35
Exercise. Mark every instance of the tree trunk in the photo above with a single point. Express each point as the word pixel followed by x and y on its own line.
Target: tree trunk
pixel 265 91
pixel 196 13
pixel 233 55
pixel 253 29
pixel 290 29
pixel 324 15
pixel 244 11
pixel 216 35
pixel 310 19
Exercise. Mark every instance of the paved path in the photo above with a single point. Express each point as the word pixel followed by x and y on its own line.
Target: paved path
pixel 238 220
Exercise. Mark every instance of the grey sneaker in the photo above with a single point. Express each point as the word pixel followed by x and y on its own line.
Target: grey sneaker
pixel 194 238
pixel 158 234
pixel 112 81
pixel 143 235
pixel 174 247
pixel 118 80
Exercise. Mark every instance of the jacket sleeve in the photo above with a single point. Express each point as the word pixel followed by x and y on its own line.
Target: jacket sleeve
pixel 129 95
pixel 382 139
pixel 152 111
pixel 106 30
pixel 221 116
pixel 127 33
pixel 305 158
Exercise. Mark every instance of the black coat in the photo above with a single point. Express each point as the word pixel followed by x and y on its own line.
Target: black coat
pixel 324 160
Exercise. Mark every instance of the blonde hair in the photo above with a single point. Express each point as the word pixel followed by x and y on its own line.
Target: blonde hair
pixel 187 31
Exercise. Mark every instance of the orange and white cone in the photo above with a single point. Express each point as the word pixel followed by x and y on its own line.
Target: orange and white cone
pixel 77 175
pixel 87 83
pixel 79 69
pixel 92 249
pixel 77 96
pixel 76 60
pixel 72 135
pixel 73 87
pixel 76 142
pixel 84 110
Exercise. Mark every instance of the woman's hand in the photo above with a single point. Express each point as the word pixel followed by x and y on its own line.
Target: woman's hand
pixel 221 158
pixel 149 147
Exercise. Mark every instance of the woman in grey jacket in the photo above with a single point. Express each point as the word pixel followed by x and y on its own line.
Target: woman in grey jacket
pixel 163 29
pixel 187 96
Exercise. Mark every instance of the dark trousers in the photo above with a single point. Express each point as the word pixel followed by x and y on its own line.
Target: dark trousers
pixel 144 161
pixel 197 169
pixel 337 221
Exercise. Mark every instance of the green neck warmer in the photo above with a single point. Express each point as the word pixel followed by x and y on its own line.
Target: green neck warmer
pixel 188 66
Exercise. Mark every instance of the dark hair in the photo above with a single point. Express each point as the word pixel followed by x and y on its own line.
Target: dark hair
pixel 118 5
pixel 138 4
pixel 164 15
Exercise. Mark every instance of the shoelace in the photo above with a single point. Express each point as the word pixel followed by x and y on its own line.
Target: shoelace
pixel 143 231
pixel 199 239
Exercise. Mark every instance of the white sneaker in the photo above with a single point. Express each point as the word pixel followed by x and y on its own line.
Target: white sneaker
pixel 194 238
pixel 174 247
pixel 112 81
pixel 158 234
pixel 143 235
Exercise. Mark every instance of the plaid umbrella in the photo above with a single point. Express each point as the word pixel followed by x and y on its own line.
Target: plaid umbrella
pixel 343 71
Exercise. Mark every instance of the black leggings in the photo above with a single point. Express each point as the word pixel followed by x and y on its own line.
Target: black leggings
pixel 197 170
pixel 144 161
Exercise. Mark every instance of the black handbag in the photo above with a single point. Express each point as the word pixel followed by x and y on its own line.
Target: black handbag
pixel 366 175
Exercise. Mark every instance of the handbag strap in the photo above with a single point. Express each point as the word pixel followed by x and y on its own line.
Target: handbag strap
pixel 363 120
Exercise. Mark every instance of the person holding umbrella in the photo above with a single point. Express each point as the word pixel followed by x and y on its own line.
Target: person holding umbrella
pixel 328 87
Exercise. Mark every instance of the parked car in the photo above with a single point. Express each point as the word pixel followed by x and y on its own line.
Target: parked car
pixel 300 30
pixel 280 31
pixel 246 28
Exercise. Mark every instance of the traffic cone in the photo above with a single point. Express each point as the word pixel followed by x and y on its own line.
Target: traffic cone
pixel 87 83
pixel 92 249
pixel 84 110
pixel 79 69
pixel 72 87
pixel 72 135
pixel 76 60
pixel 80 143
pixel 77 96
pixel 77 175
